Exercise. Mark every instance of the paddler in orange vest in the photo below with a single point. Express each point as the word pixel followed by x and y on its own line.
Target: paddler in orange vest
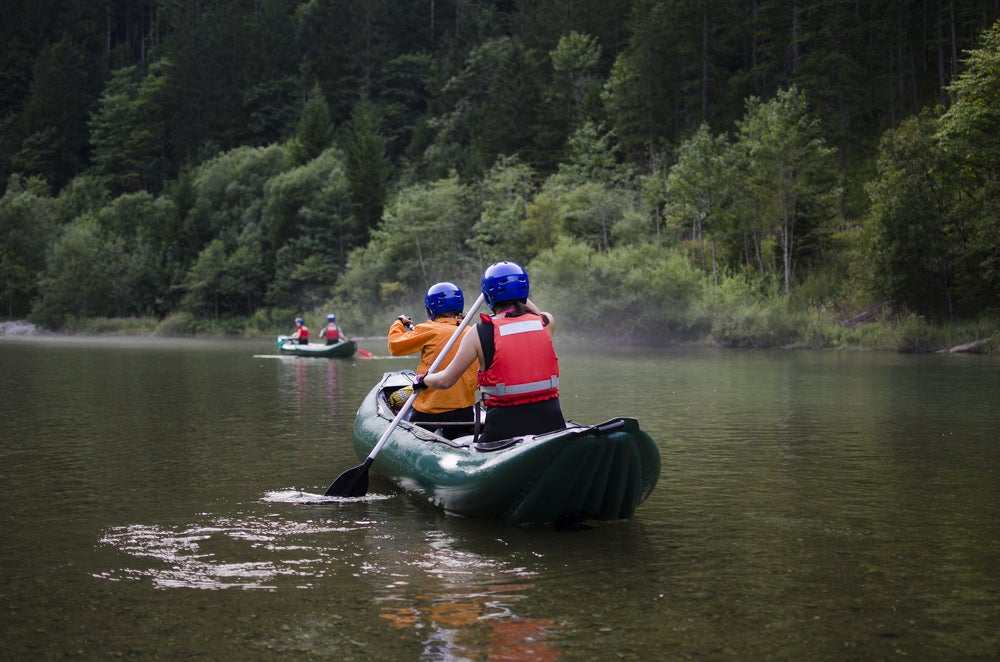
pixel 518 368
pixel 444 304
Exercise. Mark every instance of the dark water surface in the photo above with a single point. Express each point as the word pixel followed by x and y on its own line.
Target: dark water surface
pixel 158 500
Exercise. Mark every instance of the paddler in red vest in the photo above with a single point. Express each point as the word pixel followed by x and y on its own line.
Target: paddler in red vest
pixel 331 331
pixel 518 368
pixel 301 333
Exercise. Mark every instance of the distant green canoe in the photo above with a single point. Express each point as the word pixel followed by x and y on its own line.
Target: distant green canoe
pixel 599 472
pixel 341 350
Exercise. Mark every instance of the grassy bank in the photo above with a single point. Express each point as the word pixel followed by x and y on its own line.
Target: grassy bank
pixel 762 328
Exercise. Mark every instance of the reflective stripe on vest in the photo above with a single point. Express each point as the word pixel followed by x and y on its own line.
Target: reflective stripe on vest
pixel 518 389
pixel 521 327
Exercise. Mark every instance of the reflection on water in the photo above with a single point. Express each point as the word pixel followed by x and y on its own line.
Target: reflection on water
pixel 458 603
pixel 462 605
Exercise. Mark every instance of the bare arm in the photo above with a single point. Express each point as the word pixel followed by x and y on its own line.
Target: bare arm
pixel 468 351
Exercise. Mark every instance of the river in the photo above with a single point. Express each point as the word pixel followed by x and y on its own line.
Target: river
pixel 822 505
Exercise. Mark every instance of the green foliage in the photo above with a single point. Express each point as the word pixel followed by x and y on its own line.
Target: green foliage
pixel 590 212
pixel 403 93
pixel 912 236
pixel 421 240
pixel 541 227
pixel 127 130
pixel 786 174
pixel 85 274
pixel 424 232
pixel 591 156
pixel 203 284
pixel 491 102
pixel 969 131
pixel 636 102
pixel 118 326
pixel 971 127
pixel 367 167
pixel 176 324
pixel 227 281
pixel 576 84
pixel 111 126
pixel 229 193
pixel 308 220
pixel 312 199
pixel 86 194
pixel 53 123
pixel 26 229
pixel 302 274
pixel 507 191
pixel 697 190
pixel 315 131
pixel 741 317
pixel 186 324
pixel 274 109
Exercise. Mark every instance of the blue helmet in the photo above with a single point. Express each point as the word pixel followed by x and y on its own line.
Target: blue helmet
pixel 504 281
pixel 299 320
pixel 331 318
pixel 442 297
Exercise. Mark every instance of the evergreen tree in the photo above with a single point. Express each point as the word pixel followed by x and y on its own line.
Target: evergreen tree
pixel 403 94
pixel 574 61
pixel 367 166
pixel 315 132
pixel 111 128
pixel 54 120
pixel 912 244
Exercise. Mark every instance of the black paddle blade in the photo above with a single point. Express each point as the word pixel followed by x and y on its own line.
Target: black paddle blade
pixel 351 483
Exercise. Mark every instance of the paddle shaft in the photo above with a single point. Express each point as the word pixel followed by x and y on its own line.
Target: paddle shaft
pixel 354 482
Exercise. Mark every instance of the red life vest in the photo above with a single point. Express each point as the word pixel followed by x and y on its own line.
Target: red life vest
pixel 303 334
pixel 524 368
pixel 332 333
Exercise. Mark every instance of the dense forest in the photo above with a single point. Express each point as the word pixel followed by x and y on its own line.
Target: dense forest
pixel 756 172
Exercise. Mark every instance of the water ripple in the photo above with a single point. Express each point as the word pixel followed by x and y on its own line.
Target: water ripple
pixel 247 551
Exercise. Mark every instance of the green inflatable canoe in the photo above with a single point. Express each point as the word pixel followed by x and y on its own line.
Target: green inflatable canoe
pixel 340 350
pixel 596 472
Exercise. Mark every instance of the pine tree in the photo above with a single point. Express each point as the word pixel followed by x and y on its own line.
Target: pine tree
pixel 315 131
